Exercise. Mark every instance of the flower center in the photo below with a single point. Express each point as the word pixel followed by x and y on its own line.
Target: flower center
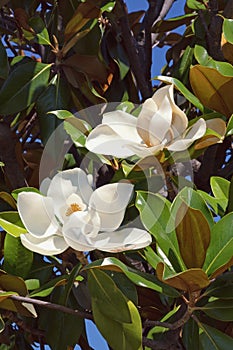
pixel 73 208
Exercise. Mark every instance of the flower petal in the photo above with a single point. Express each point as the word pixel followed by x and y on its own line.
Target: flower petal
pixel 88 223
pixel 118 129
pixel 119 241
pixel 37 215
pixel 48 246
pixel 155 117
pixel 66 183
pixel 145 151
pixel 45 185
pixel 124 124
pixel 196 131
pixel 179 119
pixel 110 202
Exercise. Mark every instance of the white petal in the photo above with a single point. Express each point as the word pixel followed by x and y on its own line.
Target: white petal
pixel 104 140
pixel 87 223
pixel 119 241
pixel 196 131
pixel 144 151
pixel 179 118
pixel 66 183
pixel 110 202
pixel 45 185
pixel 37 214
pixel 124 124
pixel 154 122
pixel 48 246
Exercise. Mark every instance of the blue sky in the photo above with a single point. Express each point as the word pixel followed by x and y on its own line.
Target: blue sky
pixel 96 341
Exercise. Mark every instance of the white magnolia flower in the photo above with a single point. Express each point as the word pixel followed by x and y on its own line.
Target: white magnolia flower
pixel 160 124
pixel 72 214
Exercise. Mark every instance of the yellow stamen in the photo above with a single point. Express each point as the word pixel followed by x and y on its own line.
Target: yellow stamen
pixel 73 208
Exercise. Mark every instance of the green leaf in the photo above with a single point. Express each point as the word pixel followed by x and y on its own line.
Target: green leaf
pixel 221 245
pixel 193 234
pixel 204 59
pixel 219 309
pixel 221 287
pixel 40 30
pixel 155 214
pixel 191 332
pixel 196 4
pixel 212 339
pixel 212 88
pixel 182 88
pixel 172 23
pixel 229 130
pixel 228 29
pixel 220 188
pixel 4 65
pixel 61 329
pixel 193 200
pixel 56 96
pixel 15 193
pixel 230 198
pixel 31 80
pixel 47 288
pixel 137 277
pixel 11 223
pixel 111 301
pixel 190 280
pixel 120 336
pixel 17 259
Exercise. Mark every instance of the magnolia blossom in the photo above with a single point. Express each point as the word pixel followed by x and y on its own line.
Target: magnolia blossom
pixel 160 124
pixel 71 213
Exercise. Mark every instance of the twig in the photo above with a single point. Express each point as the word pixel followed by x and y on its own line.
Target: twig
pixel 52 306
pixel 171 326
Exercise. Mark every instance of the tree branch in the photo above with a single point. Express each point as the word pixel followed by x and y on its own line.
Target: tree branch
pixel 52 306
pixel 130 45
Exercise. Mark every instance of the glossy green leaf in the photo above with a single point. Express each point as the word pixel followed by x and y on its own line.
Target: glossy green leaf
pixel 4 65
pixel 230 198
pixel 62 330
pixel 17 259
pixel 221 245
pixel 111 301
pixel 40 30
pixel 33 283
pixel 172 23
pixel 213 339
pixel 120 336
pixel 15 193
pixel 203 58
pixel 193 234
pixel 56 96
pixel 31 80
pixel 212 88
pixel 154 214
pixel 189 333
pixel 47 288
pixel 182 88
pixel 219 310
pixel 221 287
pixel 220 187
pixel 228 29
pixel 197 4
pixel 137 277
pixel 193 200
pixel 11 223
pixel 190 280
pixel 213 202
pixel 229 130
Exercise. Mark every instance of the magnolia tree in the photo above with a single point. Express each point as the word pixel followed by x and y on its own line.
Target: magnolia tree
pixel 116 198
